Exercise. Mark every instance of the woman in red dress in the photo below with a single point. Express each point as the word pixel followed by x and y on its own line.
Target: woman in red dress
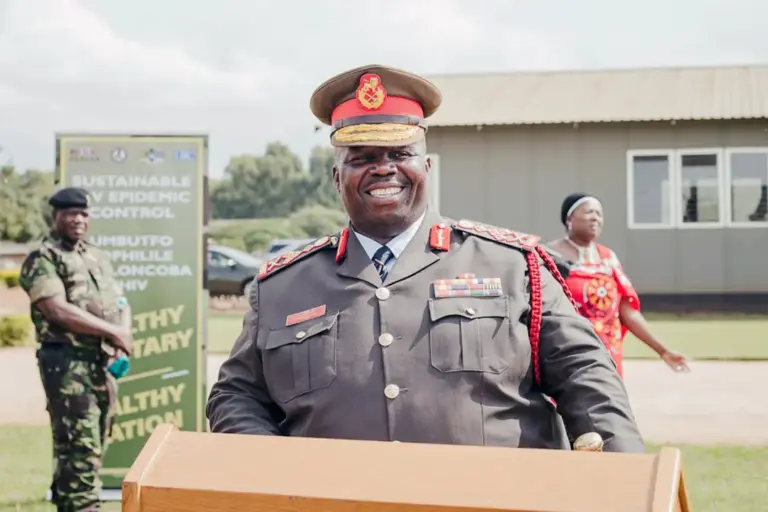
pixel 601 289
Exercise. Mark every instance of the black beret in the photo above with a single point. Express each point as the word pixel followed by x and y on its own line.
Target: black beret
pixel 70 197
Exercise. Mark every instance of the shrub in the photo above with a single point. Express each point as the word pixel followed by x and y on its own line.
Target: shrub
pixel 258 234
pixel 9 272
pixel 317 221
pixel 11 280
pixel 255 235
pixel 233 242
pixel 15 330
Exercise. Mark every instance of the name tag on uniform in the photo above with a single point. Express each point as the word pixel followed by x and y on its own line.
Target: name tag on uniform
pixel 468 287
pixel 303 316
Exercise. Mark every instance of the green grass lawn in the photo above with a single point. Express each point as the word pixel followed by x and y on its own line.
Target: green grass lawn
pixel 702 338
pixel 223 330
pixel 698 338
pixel 719 478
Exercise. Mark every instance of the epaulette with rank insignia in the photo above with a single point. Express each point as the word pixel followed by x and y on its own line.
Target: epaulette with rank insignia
pixel 504 236
pixel 274 265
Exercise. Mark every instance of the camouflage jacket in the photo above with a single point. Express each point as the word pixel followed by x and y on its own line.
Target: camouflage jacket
pixel 82 274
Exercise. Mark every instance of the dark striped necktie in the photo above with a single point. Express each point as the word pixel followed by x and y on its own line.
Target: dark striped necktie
pixel 380 259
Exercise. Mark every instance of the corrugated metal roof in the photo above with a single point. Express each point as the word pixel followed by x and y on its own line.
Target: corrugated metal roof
pixel 657 94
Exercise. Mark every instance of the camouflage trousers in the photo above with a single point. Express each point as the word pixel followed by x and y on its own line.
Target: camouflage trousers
pixel 80 395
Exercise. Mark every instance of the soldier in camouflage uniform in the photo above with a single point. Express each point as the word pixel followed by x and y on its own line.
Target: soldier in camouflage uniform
pixel 81 319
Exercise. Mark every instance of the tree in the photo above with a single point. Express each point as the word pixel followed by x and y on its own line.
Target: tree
pixel 321 172
pixel 24 212
pixel 274 184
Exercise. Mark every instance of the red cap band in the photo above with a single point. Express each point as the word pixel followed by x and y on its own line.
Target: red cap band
pixel 393 105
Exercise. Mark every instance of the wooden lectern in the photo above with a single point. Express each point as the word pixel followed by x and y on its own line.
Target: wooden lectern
pixel 189 471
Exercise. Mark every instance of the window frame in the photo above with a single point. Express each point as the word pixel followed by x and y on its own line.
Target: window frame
pixel 675 204
pixel 728 185
pixel 720 179
pixel 670 154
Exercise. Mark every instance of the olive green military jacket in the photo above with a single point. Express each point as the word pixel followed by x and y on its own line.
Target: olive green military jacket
pixel 328 350
pixel 82 274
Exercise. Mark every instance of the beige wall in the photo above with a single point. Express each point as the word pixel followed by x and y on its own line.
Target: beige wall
pixel 517 177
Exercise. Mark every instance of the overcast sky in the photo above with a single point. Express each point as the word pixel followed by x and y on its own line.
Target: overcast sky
pixel 243 70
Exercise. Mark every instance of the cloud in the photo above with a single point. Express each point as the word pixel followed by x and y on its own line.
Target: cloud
pixel 244 72
pixel 439 36
pixel 59 51
pixel 432 22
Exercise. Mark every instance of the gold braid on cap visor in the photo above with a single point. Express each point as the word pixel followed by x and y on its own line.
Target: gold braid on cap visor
pixel 384 132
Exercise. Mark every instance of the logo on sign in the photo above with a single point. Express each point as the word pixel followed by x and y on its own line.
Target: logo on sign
pixel 118 155
pixel 152 156
pixel 185 154
pixel 83 154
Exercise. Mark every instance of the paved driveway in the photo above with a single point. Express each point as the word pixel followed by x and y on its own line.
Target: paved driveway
pixel 716 403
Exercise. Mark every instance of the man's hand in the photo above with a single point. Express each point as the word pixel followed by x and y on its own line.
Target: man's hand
pixel 122 339
pixel 58 311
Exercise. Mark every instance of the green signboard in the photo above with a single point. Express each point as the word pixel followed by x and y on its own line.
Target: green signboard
pixel 149 212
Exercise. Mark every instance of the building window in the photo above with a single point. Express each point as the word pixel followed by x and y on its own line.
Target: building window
pixel 649 198
pixel 676 189
pixel 700 190
pixel 747 184
pixel 433 183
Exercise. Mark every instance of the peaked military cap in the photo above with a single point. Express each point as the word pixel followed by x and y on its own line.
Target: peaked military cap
pixel 375 106
pixel 70 197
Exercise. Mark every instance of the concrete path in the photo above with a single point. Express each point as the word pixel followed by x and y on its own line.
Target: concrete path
pixel 716 403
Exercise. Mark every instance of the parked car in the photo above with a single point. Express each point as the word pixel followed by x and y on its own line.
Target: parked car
pixel 230 271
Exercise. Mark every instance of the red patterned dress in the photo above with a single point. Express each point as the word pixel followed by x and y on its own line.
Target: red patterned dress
pixel 599 284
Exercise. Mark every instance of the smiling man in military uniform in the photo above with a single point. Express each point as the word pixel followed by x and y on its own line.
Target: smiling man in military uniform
pixel 81 319
pixel 407 326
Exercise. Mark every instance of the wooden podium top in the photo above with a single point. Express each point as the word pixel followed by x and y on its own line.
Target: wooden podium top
pixel 202 471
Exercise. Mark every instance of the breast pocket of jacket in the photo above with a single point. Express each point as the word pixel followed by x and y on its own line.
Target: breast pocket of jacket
pixel 301 358
pixel 469 334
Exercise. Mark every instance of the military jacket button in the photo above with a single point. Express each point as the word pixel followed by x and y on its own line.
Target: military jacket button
pixel 386 339
pixel 392 391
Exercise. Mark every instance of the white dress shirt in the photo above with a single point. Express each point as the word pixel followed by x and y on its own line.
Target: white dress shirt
pixel 397 245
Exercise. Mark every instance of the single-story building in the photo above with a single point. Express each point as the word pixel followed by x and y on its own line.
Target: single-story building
pixel 678 157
